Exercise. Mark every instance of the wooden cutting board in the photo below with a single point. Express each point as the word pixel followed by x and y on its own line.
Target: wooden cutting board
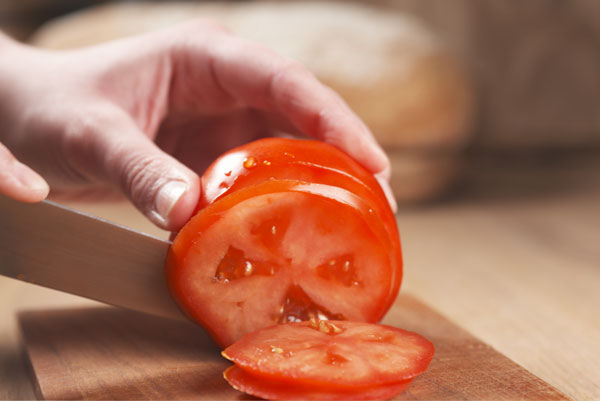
pixel 109 353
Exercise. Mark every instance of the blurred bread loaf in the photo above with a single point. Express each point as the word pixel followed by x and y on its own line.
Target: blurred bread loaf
pixel 390 69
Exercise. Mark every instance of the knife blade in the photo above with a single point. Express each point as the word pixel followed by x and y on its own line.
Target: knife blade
pixel 60 248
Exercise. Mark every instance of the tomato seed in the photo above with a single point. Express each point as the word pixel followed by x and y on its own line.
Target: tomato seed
pixel 276 350
pixel 249 162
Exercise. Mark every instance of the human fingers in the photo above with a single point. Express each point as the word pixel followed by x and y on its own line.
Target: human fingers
pixel 114 150
pixel 249 74
pixel 157 184
pixel 197 141
pixel 18 181
pixel 242 72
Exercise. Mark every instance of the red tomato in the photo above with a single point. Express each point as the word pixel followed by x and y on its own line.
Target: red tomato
pixel 273 390
pixel 340 355
pixel 281 251
pixel 282 158
pixel 302 160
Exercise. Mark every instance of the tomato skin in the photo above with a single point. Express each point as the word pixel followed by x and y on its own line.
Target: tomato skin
pixel 303 160
pixel 180 270
pixel 231 170
pixel 337 354
pixel 274 390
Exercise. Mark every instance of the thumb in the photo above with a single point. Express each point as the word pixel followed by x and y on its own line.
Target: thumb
pixel 162 188
pixel 18 181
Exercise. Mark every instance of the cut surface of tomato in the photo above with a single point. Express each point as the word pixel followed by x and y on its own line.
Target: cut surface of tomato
pixel 281 251
pixel 301 160
pixel 341 354
pixel 276 390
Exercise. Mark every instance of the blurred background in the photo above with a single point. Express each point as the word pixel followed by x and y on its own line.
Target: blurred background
pixel 490 112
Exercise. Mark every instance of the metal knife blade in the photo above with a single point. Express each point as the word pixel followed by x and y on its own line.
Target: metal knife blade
pixel 56 247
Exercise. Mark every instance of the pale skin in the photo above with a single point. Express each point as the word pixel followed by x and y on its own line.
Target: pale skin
pixel 144 116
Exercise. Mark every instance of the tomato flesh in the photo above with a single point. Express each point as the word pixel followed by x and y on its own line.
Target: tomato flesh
pixel 332 353
pixel 274 390
pixel 281 251
pixel 301 160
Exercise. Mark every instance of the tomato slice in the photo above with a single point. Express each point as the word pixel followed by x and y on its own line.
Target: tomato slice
pixel 284 158
pixel 301 160
pixel 281 390
pixel 337 354
pixel 277 252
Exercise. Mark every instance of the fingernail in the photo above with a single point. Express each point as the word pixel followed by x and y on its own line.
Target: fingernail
pixel 167 198
pixel 389 194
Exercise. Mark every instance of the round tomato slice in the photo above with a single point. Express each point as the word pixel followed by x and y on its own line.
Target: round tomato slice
pixel 281 251
pixel 301 160
pixel 243 381
pixel 341 354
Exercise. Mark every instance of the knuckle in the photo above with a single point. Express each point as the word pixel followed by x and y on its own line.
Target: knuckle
pixel 81 130
pixel 89 122
pixel 142 175
pixel 290 70
pixel 135 178
pixel 285 79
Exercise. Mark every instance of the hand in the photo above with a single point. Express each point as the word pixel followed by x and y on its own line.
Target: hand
pixel 143 116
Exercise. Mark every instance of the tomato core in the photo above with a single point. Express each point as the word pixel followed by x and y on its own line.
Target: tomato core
pixel 298 307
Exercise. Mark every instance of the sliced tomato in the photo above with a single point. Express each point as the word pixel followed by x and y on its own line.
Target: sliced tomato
pixel 332 354
pixel 284 158
pixel 281 251
pixel 301 160
pixel 243 381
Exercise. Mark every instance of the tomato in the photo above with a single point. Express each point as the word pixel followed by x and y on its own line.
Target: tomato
pixel 292 249
pixel 287 230
pixel 302 160
pixel 339 355
pixel 284 158
pixel 274 390
pixel 277 252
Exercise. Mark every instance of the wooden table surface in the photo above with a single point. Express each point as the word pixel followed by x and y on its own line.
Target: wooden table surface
pixel 516 263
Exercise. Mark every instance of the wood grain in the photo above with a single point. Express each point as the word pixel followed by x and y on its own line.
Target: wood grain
pixel 107 353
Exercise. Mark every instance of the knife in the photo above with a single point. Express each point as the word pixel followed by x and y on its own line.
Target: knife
pixel 60 248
